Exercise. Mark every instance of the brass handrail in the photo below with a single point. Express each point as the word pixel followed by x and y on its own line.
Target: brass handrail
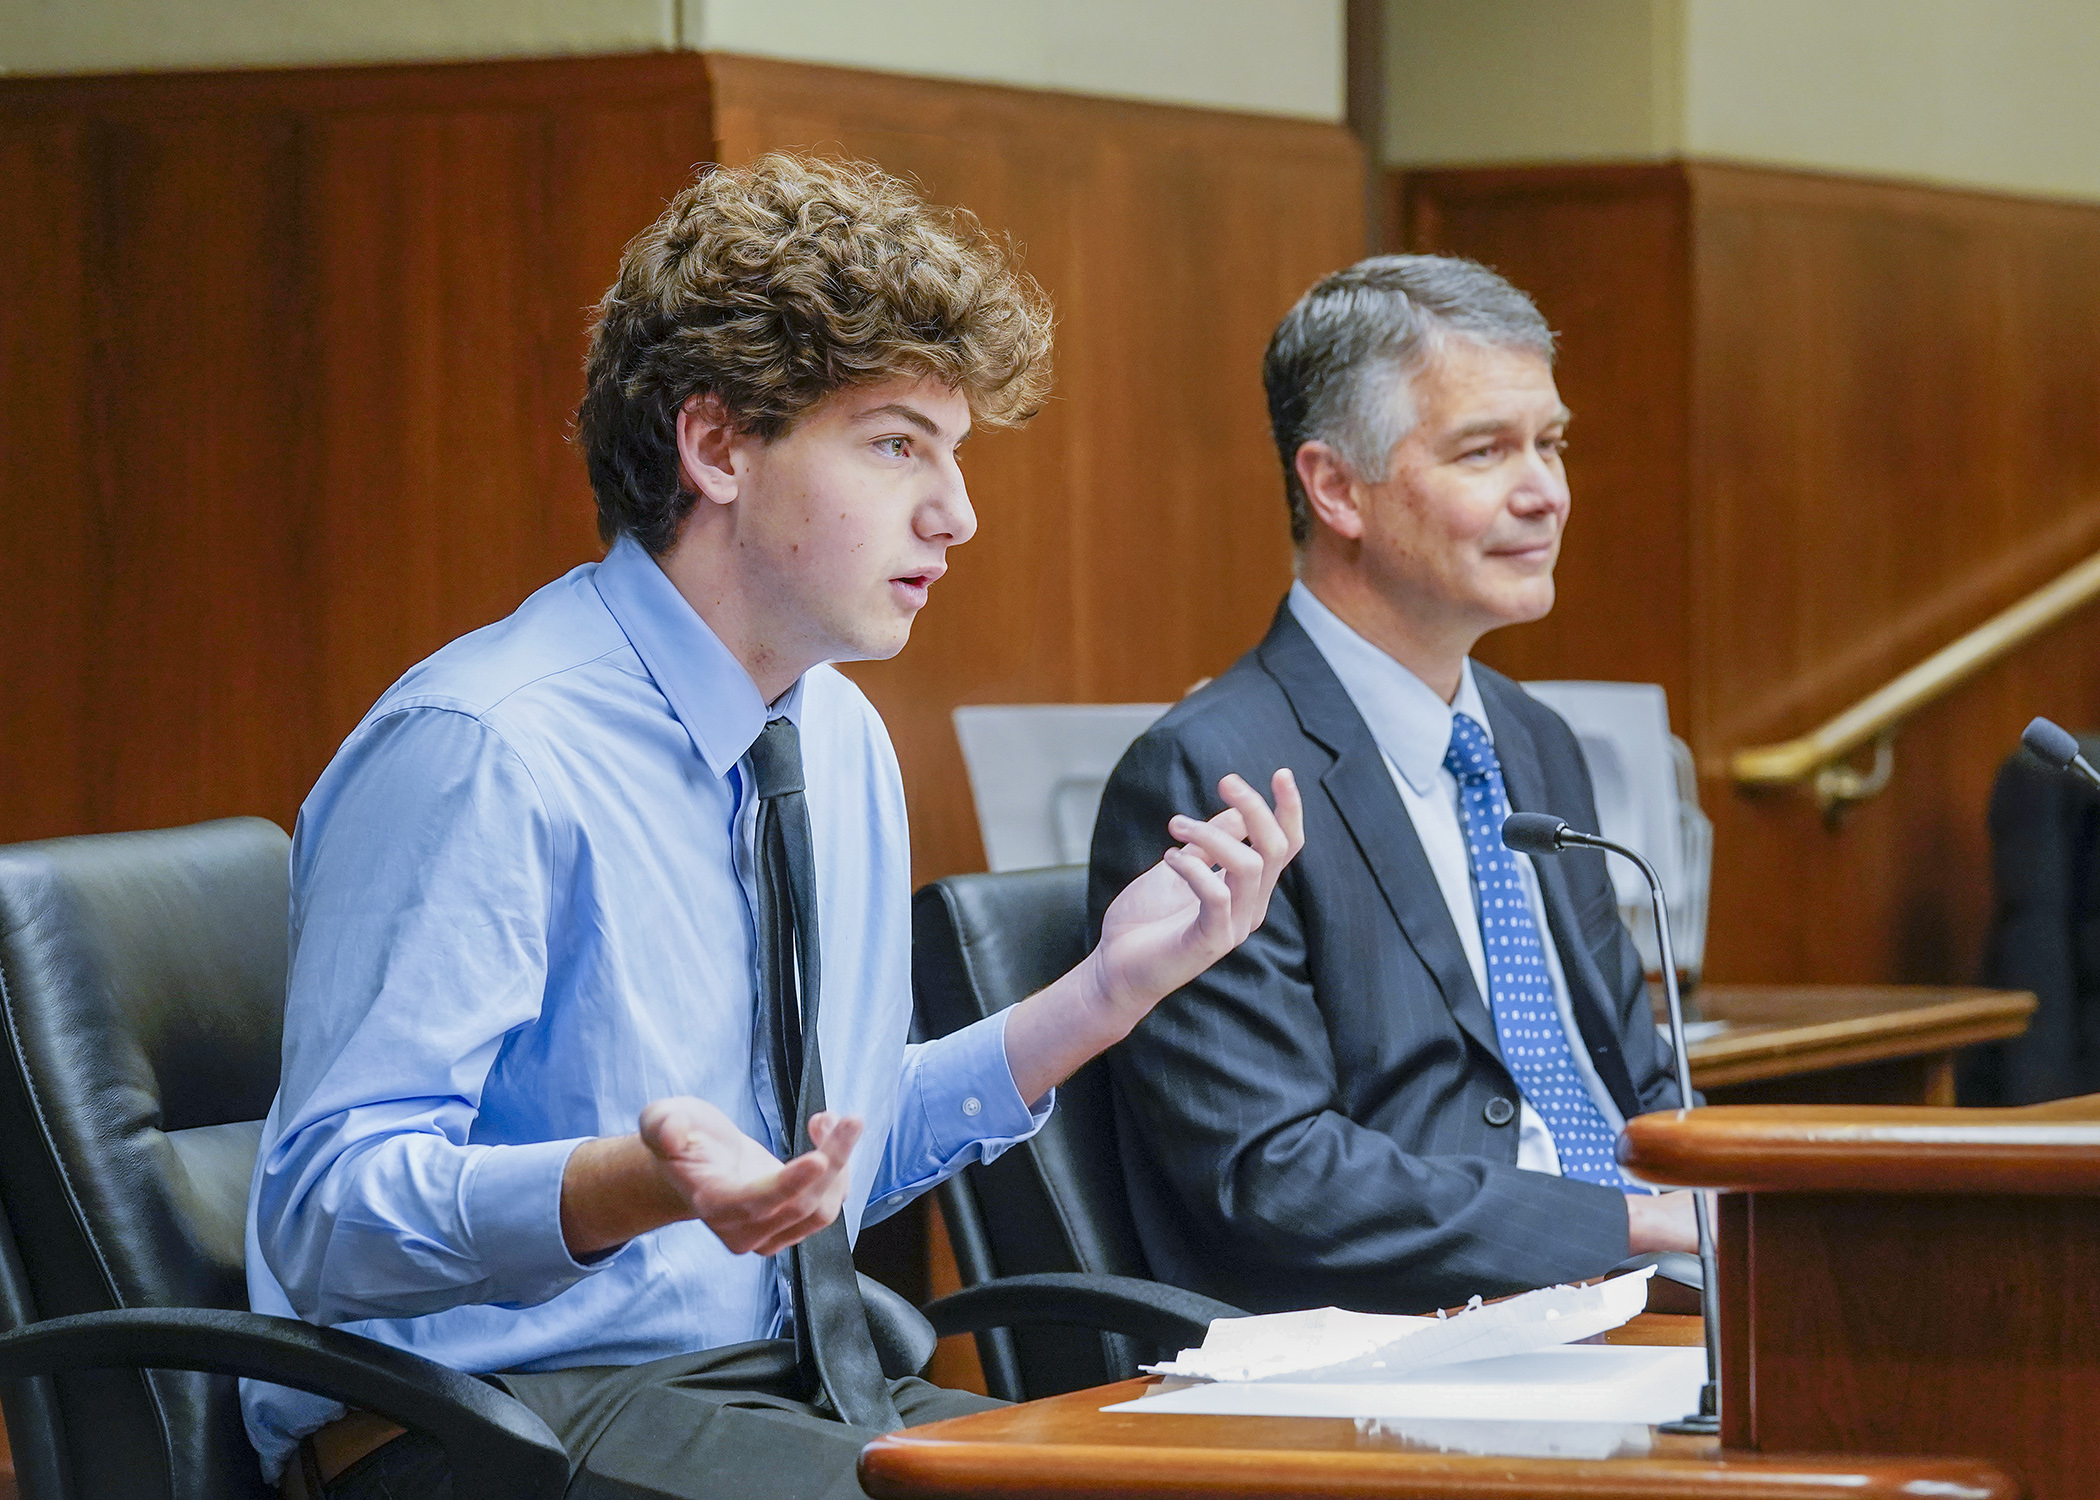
pixel 1875 718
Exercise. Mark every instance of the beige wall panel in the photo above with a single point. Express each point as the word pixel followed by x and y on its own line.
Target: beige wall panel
pixel 109 36
pixel 1965 92
pixel 1475 81
pixel 1273 56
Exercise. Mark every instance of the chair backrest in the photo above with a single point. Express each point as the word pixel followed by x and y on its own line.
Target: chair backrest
pixel 979 944
pixel 1037 771
pixel 142 995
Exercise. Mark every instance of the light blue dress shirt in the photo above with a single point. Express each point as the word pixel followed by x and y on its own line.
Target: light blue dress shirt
pixel 521 910
pixel 1411 725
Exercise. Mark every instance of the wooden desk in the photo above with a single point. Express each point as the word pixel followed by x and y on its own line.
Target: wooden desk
pixel 1067 1446
pixel 1845 1044
pixel 1904 1280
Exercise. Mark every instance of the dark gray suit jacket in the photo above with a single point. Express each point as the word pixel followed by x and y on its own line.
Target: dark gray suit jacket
pixel 1311 1121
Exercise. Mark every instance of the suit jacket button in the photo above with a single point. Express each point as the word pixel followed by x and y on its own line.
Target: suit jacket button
pixel 1500 1111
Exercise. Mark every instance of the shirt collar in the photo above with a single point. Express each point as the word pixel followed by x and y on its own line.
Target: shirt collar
pixel 1410 723
pixel 706 686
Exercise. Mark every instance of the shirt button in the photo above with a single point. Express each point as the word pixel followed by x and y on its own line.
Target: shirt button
pixel 1499 1112
pixel 973 1105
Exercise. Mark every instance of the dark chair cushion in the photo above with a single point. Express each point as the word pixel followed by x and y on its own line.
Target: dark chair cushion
pixel 2044 935
pixel 142 994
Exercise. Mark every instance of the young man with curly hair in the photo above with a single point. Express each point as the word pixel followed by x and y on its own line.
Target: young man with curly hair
pixel 595 1039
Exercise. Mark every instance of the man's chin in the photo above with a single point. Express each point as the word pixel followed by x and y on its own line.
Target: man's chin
pixel 875 644
pixel 1521 606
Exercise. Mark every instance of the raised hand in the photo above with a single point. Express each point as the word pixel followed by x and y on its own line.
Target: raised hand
pixel 1170 924
pixel 1202 899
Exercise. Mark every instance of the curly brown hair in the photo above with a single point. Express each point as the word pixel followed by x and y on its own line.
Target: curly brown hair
pixel 775 284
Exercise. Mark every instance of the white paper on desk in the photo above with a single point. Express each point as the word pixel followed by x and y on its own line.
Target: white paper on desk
pixel 1516 1438
pixel 1331 1344
pixel 1613 1385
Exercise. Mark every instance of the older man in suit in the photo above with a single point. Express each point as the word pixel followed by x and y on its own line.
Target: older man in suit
pixel 1407 1086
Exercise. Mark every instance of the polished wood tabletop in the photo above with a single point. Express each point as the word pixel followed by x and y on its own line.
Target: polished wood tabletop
pixel 1067 1446
pixel 2048 1149
pixel 1869 1044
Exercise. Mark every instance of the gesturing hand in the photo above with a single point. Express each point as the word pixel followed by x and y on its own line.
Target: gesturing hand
pixel 737 1187
pixel 1201 900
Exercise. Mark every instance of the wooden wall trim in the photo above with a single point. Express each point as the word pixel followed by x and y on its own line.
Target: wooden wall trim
pixel 444 87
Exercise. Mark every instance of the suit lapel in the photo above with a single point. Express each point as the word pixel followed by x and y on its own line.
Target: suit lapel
pixel 1362 791
pixel 1524 778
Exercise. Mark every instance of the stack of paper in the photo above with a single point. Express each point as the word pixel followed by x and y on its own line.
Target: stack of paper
pixel 1509 1361
pixel 1330 1344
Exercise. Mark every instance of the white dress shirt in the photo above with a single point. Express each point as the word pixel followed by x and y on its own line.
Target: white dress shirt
pixel 1411 726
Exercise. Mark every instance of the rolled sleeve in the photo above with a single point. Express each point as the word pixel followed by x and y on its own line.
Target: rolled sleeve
pixel 957 1103
pixel 512 1200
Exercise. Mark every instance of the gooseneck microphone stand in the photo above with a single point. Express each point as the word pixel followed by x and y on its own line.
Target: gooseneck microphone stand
pixel 1544 834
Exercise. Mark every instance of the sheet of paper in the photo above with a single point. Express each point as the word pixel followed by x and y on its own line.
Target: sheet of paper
pixel 1331 1344
pixel 1581 1383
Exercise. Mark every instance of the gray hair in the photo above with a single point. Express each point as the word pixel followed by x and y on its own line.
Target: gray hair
pixel 1337 371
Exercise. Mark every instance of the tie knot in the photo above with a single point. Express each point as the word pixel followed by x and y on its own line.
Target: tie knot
pixel 1472 754
pixel 776 759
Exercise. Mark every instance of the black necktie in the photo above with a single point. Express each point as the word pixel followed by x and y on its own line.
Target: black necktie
pixel 831 1323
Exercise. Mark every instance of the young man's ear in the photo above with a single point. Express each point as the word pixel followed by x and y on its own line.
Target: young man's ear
pixel 1330 489
pixel 706 440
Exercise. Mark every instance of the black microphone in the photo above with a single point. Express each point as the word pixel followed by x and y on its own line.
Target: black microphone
pixel 2057 748
pixel 1544 834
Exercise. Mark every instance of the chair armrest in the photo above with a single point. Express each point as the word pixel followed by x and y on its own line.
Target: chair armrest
pixel 498 1448
pixel 904 1340
pixel 1167 1316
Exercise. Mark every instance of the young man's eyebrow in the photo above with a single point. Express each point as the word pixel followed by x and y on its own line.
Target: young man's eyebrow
pixel 912 415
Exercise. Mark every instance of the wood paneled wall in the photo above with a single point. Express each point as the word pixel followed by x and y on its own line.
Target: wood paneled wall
pixel 1132 538
pixel 1823 426
pixel 286 364
pixel 287 361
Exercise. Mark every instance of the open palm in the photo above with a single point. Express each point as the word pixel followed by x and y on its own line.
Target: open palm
pixel 743 1192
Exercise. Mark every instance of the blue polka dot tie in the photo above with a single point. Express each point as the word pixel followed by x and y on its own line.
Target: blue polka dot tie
pixel 1520 987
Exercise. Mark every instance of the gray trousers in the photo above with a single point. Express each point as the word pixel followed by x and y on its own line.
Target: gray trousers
pixel 692 1427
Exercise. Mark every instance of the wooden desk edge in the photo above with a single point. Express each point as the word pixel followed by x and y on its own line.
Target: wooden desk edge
pixel 2052 1149
pixel 1949 1025
pixel 945 1459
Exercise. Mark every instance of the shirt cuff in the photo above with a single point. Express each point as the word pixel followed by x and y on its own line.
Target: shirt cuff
pixel 967 1090
pixel 512 1201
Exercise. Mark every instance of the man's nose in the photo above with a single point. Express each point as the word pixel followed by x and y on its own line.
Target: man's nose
pixel 1542 487
pixel 948 515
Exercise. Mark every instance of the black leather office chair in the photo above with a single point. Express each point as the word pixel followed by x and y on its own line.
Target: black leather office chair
pixel 142 997
pixel 2044 935
pixel 1043 1237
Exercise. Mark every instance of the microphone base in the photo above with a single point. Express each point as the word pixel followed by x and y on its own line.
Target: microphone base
pixel 1705 1422
pixel 1692 1426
